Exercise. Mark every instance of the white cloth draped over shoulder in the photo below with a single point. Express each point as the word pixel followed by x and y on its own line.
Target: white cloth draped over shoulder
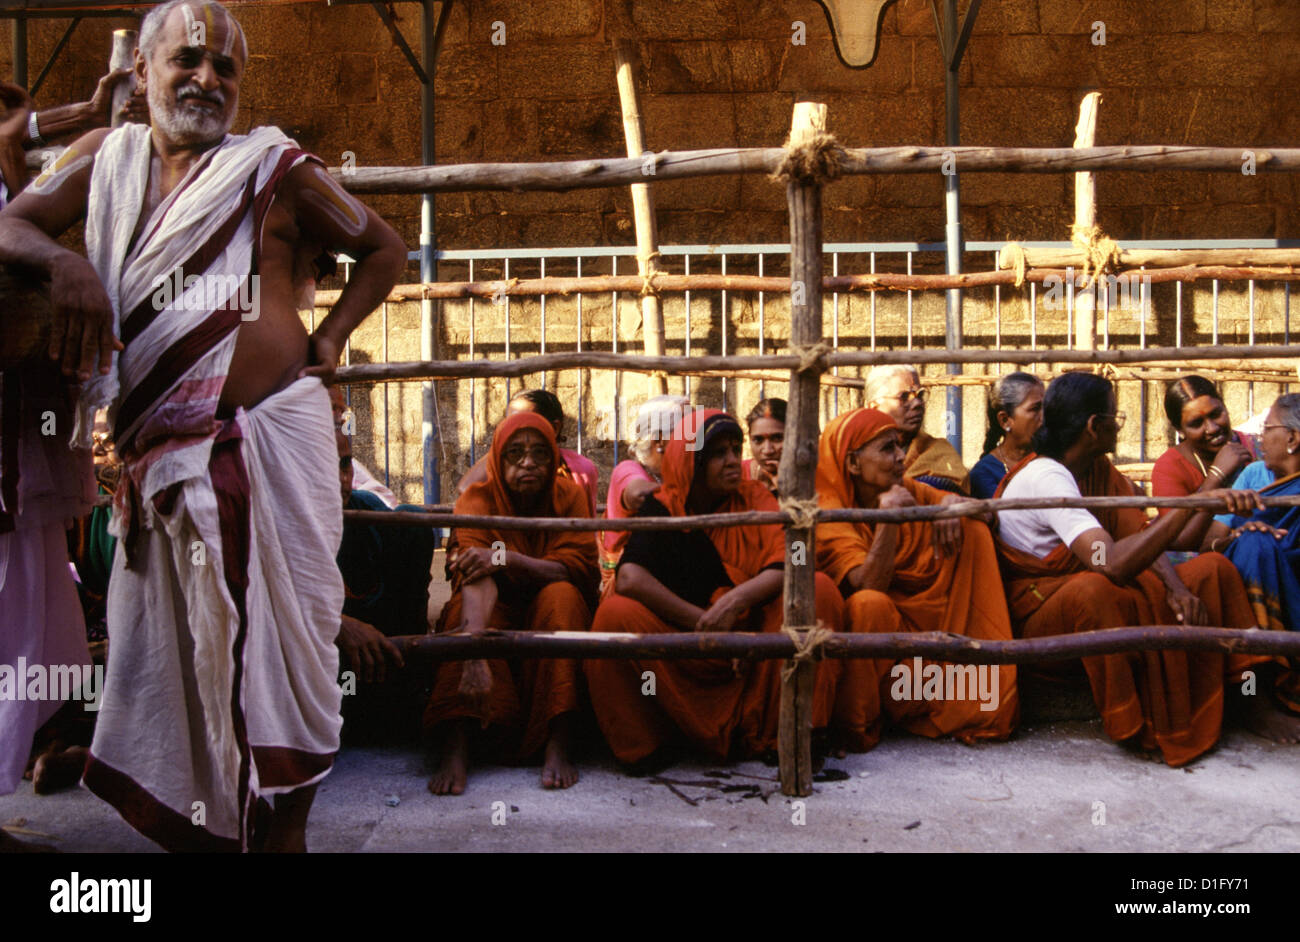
pixel 224 600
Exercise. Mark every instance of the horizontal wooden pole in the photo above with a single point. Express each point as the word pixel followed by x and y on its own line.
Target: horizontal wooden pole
pixel 846 284
pixel 932 645
pixel 632 362
pixel 966 508
pixel 1157 258
pixel 678 165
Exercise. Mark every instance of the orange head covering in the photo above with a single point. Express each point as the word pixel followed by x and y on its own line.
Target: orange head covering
pixel 576 550
pixel 845 433
pixel 744 550
pixel 496 482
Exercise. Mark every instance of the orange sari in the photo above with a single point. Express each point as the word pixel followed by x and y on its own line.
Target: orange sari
pixel 526 695
pixel 1172 700
pixel 720 707
pixel 927 593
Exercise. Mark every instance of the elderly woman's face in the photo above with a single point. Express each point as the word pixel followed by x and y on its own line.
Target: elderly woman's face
pixel 526 463
pixel 878 465
pixel 1276 444
pixel 903 400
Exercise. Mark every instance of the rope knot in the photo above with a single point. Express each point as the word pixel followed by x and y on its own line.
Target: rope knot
pixel 819 159
pixel 808 641
pixel 1101 253
pixel 810 355
pixel 1013 256
pixel 803 513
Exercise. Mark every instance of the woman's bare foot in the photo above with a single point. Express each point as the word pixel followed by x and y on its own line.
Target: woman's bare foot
pixel 58 768
pixel 557 769
pixel 1261 716
pixel 453 769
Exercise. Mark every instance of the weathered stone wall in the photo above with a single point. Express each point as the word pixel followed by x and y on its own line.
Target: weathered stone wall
pixel 725 72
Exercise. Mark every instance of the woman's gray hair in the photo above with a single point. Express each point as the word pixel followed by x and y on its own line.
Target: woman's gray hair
pixel 1288 410
pixel 155 19
pixel 878 378
pixel 656 420
pixel 1005 396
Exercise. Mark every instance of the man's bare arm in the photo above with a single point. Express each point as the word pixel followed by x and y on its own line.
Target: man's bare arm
pixel 330 216
pixel 82 331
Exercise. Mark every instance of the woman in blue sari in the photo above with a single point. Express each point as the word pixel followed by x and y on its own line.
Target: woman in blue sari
pixel 1265 547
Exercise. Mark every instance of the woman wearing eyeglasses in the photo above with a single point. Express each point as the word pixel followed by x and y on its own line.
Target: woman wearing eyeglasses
pixel 524 580
pixel 1070 570
pixel 1265 547
pixel 896 391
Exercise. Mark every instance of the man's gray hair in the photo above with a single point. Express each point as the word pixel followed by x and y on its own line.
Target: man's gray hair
pixel 656 420
pixel 154 21
pixel 1288 410
pixel 878 378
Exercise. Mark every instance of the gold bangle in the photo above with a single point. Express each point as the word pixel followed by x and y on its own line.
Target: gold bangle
pixel 1217 470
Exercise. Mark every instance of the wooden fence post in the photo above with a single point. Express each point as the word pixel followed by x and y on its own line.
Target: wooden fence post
pixel 799 459
pixel 643 210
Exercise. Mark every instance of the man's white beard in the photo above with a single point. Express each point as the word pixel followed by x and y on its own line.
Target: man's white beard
pixel 185 123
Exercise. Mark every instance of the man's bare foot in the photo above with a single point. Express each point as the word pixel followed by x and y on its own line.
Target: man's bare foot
pixel 453 769
pixel 12 845
pixel 1259 715
pixel 287 833
pixel 58 768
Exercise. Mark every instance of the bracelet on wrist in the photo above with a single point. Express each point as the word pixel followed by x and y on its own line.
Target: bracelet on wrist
pixel 1215 469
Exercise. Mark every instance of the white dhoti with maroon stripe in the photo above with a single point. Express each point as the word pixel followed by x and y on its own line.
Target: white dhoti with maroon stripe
pixel 224 600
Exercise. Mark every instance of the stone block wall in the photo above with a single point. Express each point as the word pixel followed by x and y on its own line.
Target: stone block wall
pixel 726 73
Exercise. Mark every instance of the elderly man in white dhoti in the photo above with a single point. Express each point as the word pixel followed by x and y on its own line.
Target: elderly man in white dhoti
pixel 224 602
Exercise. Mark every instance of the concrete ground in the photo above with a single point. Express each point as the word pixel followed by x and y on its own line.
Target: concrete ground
pixel 1059 785
pixel 1039 792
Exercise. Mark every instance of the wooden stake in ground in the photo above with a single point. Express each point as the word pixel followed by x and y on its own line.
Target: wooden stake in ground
pixel 643 212
pixel 1085 217
pixel 795 479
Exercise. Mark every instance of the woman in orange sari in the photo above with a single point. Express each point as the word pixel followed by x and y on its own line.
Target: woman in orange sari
pixel 921 576
pixel 524 580
pixel 1070 570
pixel 720 579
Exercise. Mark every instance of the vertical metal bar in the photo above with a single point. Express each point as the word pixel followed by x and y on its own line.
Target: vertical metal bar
pixel 1178 313
pixel 909 304
pixel 543 302
pixel 1286 312
pixel 873 304
pixel 505 278
pixel 1250 300
pixel 835 333
pixel 1069 308
pixel 1214 318
pixel 762 384
pixel 1142 341
pixel 384 386
pixel 1033 316
pixel 688 322
pixel 1105 318
pixel 473 384
pixel 581 373
pixel 952 213
pixel 428 260
pixel 997 312
pixel 723 327
pixel 618 375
